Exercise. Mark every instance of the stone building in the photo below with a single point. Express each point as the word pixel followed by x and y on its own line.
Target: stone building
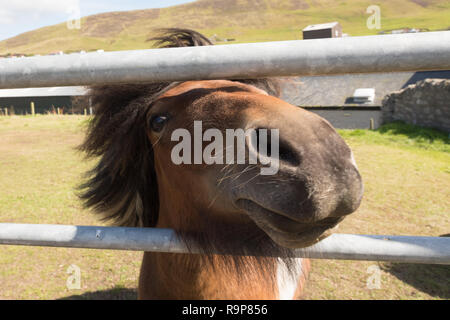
pixel 426 104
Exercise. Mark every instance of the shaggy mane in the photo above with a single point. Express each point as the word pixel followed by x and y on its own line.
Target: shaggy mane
pixel 122 187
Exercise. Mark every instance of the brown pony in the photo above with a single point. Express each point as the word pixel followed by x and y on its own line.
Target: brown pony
pixel 254 221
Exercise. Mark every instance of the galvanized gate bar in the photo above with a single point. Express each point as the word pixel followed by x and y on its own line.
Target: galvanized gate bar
pixel 381 53
pixel 430 250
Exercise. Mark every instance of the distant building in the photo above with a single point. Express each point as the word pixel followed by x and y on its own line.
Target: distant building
pixel 323 30
pixel 404 30
pixel 342 90
pixel 13 55
pixel 348 101
pixel 45 99
pixel 56 53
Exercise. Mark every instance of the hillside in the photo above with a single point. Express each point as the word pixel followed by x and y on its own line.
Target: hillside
pixel 242 20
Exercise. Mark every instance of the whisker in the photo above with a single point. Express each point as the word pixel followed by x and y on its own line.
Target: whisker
pixel 245 170
pixel 243 184
pixel 213 200
pixel 156 142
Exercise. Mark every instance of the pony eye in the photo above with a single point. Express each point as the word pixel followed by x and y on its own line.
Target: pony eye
pixel 157 123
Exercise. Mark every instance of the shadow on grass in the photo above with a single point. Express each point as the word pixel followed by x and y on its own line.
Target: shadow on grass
pixel 431 279
pixel 110 294
pixel 414 132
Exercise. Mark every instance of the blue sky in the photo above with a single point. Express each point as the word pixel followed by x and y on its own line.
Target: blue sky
pixel 18 16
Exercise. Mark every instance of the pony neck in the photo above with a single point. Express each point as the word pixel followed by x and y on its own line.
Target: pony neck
pixel 212 276
pixel 195 276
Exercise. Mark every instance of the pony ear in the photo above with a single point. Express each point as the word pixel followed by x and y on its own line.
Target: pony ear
pixel 122 187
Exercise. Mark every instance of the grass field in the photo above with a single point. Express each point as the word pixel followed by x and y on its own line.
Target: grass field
pixel 241 20
pixel 406 172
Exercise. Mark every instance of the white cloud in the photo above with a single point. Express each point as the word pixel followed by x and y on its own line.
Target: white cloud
pixel 53 6
pixel 6 17
pixel 12 10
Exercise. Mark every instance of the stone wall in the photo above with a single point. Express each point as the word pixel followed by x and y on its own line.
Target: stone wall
pixel 426 103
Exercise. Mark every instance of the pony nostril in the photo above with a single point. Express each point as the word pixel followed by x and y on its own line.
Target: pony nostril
pixel 285 152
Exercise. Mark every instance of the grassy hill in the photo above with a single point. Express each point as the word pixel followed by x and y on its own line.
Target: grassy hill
pixel 242 20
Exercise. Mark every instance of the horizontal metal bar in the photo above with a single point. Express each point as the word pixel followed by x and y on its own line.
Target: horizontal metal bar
pixel 381 53
pixel 430 250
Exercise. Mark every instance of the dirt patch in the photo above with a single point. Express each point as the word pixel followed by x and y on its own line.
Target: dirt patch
pixel 112 23
pixel 422 3
pixel 298 5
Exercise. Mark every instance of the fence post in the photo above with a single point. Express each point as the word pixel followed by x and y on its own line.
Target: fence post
pixel 32 108
pixel 85 112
